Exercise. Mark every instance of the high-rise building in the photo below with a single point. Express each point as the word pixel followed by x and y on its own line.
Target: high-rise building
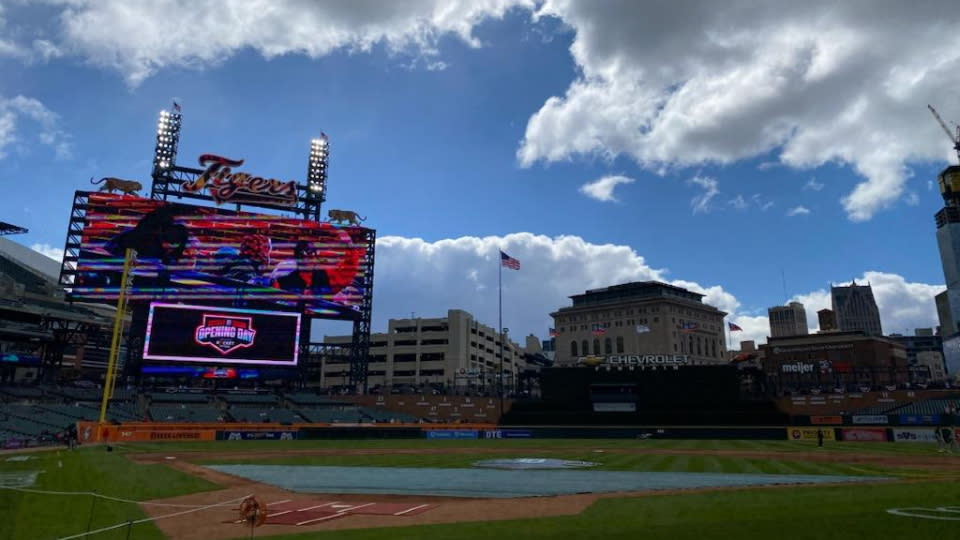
pixel 856 309
pixel 948 240
pixel 455 350
pixel 828 320
pixel 640 318
pixel 789 320
pixel 924 350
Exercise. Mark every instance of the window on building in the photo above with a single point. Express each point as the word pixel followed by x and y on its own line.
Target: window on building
pixel 405 342
pixel 607 346
pixel 584 348
pixel 699 346
pixel 674 347
pixel 399 358
pixel 573 349
pixel 619 344
pixel 656 319
pixel 596 346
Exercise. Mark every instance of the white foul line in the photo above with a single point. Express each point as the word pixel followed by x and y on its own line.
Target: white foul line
pixel 402 512
pixel 331 516
pixel 317 506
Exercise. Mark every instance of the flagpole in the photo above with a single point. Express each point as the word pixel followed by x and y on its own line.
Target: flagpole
pixel 500 325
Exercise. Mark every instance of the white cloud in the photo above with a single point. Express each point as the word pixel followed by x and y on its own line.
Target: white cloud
pixel 47 250
pixel 739 202
pixel 911 198
pixel 798 211
pixel 701 203
pixel 811 82
pixel 601 189
pixel 813 185
pixel 760 202
pixel 16 109
pixel 462 273
pixel 903 305
pixel 814 82
pixel 145 37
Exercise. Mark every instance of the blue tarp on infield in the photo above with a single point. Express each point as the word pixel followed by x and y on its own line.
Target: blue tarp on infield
pixel 497 483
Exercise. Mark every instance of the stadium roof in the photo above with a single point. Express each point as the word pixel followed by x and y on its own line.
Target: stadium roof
pixel 37 262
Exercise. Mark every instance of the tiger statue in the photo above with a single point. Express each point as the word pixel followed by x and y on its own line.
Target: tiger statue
pixel 110 184
pixel 345 216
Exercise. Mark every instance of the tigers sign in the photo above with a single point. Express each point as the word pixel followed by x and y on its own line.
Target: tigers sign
pixel 224 185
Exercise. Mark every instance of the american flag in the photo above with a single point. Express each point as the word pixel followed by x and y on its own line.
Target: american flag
pixel 509 262
pixel 688 327
pixel 176 106
pixel 598 331
pixel 734 328
pixel 553 332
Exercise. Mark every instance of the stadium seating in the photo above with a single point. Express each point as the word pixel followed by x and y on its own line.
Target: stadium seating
pixel 928 407
pixel 178 397
pixel 248 414
pixel 251 399
pixel 328 415
pixel 186 414
pixel 309 399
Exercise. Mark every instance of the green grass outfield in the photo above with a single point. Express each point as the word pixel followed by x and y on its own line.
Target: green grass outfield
pixel 847 512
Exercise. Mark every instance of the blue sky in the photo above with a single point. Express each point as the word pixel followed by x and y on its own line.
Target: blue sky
pixel 454 129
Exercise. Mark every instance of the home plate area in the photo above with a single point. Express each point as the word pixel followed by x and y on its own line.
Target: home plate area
pixel 306 512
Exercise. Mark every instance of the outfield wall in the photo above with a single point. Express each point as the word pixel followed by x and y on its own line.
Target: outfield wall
pixel 91 432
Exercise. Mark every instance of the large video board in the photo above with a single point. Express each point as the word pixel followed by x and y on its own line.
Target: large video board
pixel 206 255
pixel 179 333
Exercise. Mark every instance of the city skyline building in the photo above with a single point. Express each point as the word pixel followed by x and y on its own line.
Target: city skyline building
pixel 856 309
pixel 948 243
pixel 788 320
pixel 640 318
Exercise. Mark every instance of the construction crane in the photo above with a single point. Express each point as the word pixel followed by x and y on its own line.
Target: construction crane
pixel 954 137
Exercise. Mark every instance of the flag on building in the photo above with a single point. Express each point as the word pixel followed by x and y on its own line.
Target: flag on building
pixel 734 328
pixel 509 262
pixel 688 327
pixel 642 328
pixel 598 331
pixel 553 332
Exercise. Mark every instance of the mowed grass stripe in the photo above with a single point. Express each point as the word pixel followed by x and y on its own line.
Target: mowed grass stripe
pixel 803 513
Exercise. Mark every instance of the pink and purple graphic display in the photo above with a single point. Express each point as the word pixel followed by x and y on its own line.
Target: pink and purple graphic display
pixel 213 335
pixel 206 255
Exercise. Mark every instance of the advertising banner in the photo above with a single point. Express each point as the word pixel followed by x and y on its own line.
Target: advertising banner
pixel 452 434
pixel 864 434
pixel 256 435
pixel 870 419
pixel 223 336
pixel 614 407
pixel 826 420
pixel 201 254
pixel 919 419
pixel 914 435
pixel 809 433
pixel 507 434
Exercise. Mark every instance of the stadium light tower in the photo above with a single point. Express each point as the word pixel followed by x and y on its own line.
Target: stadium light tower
pixel 168 138
pixel 317 168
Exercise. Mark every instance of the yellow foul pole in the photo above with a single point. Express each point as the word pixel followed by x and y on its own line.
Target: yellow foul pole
pixel 117 332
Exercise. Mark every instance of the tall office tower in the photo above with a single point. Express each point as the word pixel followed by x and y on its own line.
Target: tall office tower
pixel 828 320
pixel 789 320
pixel 948 240
pixel 856 309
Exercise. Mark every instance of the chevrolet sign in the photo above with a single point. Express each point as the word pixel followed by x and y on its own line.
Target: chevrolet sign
pixel 637 360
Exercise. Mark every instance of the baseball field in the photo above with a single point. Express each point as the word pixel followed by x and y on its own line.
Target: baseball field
pixel 414 489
